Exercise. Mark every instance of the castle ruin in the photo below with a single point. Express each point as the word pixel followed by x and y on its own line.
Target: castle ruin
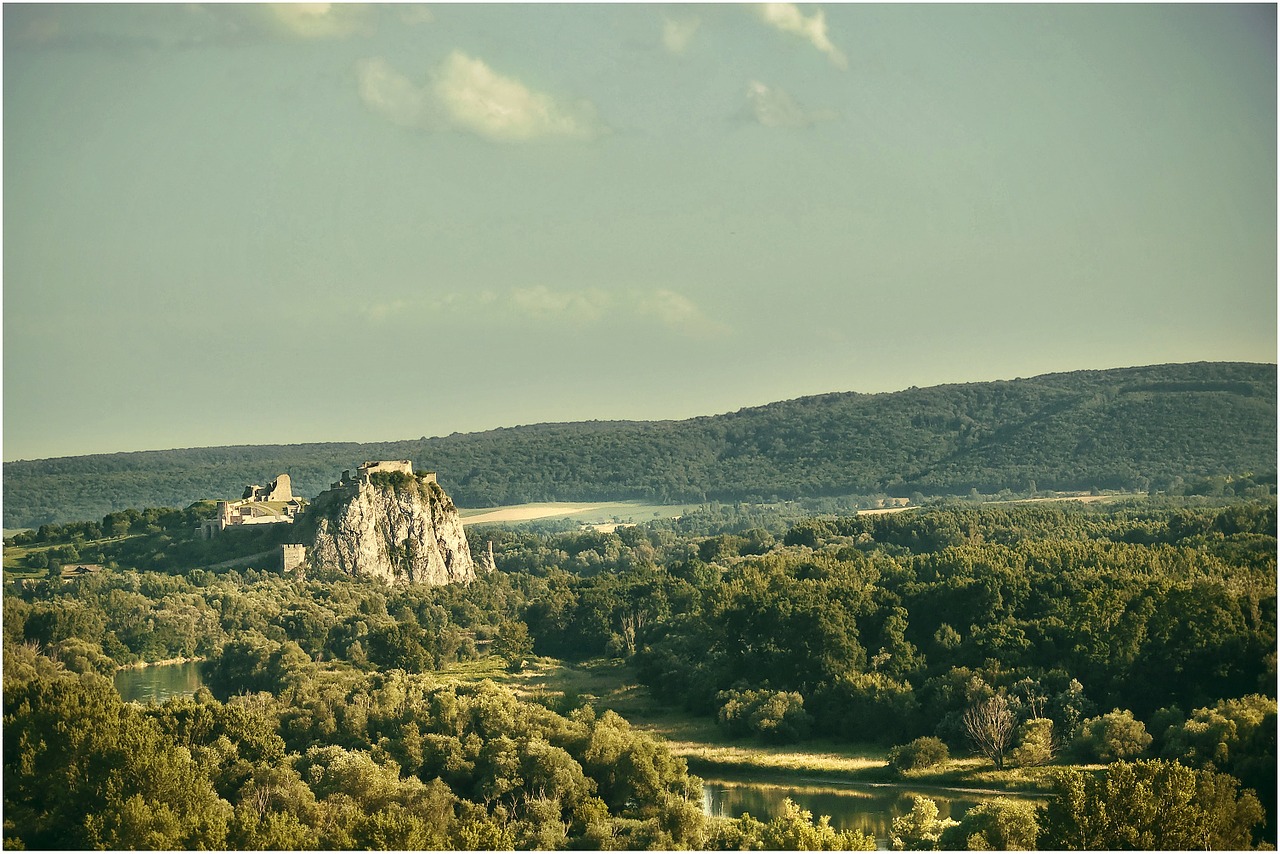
pixel 368 469
pixel 273 504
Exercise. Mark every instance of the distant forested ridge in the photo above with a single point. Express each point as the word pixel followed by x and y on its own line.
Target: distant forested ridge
pixel 1142 428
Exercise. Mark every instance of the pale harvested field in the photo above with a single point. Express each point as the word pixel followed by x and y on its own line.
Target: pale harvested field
pixel 527 512
pixel 603 516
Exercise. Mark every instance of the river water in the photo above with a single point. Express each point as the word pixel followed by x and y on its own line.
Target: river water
pixel 865 807
pixel 158 682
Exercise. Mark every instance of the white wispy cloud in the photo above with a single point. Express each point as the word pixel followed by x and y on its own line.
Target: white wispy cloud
pixel 479 99
pixel 466 94
pixel 390 94
pixel 677 33
pixel 321 20
pixel 679 313
pixel 771 106
pixel 550 306
pixel 788 18
pixel 576 306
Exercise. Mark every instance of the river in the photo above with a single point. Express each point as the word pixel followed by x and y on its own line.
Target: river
pixel 158 682
pixel 866 807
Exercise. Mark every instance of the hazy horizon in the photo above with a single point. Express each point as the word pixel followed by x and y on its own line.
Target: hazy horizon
pixel 243 225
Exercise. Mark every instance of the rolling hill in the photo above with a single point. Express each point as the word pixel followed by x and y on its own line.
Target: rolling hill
pixel 1123 428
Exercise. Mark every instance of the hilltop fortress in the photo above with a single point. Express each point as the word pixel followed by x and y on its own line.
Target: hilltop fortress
pixel 365 473
pixel 387 522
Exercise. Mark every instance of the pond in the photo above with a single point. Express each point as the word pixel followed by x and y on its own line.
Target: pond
pixel 866 807
pixel 158 682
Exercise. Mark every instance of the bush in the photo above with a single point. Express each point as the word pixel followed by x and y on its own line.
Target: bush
pixel 1000 825
pixel 1113 736
pixel 920 829
pixel 1037 745
pixel 923 752
pixel 776 716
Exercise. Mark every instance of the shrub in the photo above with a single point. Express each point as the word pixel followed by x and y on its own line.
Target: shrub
pixel 1000 825
pixel 923 752
pixel 920 829
pixel 776 716
pixel 1113 736
pixel 1037 745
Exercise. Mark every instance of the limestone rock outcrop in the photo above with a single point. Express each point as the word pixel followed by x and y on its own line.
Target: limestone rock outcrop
pixel 401 528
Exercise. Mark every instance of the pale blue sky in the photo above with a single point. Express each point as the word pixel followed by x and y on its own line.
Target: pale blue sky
pixel 277 224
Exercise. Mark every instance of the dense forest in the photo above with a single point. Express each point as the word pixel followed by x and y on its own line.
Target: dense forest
pixel 1137 636
pixel 1171 428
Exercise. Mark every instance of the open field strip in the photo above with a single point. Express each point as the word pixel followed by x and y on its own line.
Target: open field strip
pixel 601 515
pixel 523 512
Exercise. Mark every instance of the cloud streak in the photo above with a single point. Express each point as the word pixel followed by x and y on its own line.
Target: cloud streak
pixel 321 20
pixel 465 94
pixel 787 18
pixel 579 308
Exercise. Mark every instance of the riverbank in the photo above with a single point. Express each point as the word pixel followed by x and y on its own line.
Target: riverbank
pixel 142 665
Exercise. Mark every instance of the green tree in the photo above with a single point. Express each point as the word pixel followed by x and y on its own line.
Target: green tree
pixel 512 644
pixel 793 829
pixel 775 716
pixel 1150 805
pixel 1036 743
pixel 1000 825
pixel 1115 735
pixel 920 829
pixel 83 770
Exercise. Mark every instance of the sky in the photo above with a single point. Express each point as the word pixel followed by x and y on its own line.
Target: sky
pixel 252 224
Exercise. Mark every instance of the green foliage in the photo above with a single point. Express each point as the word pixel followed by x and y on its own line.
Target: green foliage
pixel 339 760
pixel 920 829
pixel 1037 744
pixel 1218 734
pixel 83 770
pixel 793 829
pixel 1234 736
pixel 1115 735
pixel 858 627
pixel 1213 426
pixel 1000 825
pixel 775 716
pixel 1150 805
pixel 512 643
pixel 923 752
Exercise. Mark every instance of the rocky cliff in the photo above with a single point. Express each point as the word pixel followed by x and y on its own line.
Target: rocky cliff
pixel 400 528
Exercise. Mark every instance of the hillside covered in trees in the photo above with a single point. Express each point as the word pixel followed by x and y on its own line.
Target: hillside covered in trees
pixel 1162 427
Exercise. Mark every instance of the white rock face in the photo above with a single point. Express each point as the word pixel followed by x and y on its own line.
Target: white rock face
pixel 404 533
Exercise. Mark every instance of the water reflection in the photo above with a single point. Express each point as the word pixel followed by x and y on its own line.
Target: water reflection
pixel 159 682
pixel 870 809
